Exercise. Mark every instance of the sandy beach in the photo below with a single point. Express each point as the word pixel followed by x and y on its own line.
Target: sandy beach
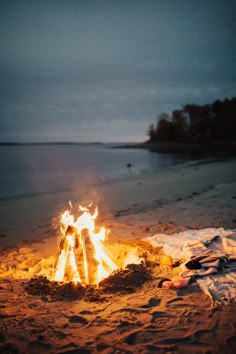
pixel 141 318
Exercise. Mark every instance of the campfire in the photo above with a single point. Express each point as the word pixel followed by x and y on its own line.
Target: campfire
pixel 84 258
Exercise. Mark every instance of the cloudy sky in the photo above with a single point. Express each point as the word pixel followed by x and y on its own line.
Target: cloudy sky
pixel 83 70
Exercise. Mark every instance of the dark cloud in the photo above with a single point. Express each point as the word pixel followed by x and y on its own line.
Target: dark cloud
pixel 102 70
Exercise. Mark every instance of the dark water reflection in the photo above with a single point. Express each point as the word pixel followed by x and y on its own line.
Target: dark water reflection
pixel 29 169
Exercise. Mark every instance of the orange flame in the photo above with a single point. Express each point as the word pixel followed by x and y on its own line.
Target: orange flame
pixel 83 257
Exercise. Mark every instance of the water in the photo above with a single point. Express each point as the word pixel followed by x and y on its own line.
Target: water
pixel 31 169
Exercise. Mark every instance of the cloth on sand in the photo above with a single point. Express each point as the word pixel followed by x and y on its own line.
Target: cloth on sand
pixel 205 252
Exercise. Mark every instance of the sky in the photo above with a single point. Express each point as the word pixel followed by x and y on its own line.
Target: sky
pixel 84 71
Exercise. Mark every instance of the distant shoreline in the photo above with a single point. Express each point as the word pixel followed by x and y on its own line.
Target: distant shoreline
pixel 205 149
pixel 50 143
pixel 178 148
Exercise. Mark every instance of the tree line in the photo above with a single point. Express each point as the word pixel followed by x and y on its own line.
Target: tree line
pixel 214 122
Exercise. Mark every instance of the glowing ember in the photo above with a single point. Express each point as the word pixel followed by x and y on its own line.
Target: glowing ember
pixel 83 257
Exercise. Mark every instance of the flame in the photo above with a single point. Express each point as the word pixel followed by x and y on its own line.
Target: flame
pixel 83 257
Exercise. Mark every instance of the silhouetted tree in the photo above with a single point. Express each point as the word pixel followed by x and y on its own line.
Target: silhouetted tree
pixel 180 126
pixel 197 123
pixel 151 132
pixel 163 129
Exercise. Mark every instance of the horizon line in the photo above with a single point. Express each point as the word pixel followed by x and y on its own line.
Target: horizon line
pixel 62 143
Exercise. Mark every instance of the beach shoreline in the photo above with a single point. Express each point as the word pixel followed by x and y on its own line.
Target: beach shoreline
pixel 178 195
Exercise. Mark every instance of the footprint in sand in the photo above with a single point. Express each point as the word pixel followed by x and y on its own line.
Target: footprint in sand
pixel 77 319
pixel 131 338
pixel 152 303
pixel 86 312
pixel 159 314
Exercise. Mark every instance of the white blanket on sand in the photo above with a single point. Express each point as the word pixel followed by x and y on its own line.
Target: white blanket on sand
pixel 221 287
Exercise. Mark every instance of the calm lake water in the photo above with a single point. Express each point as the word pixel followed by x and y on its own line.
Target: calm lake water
pixel 30 169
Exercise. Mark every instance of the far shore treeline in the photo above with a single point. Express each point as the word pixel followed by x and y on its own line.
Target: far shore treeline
pixel 194 123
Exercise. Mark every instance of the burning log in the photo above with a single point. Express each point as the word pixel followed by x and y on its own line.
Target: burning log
pixel 82 255
pixel 90 261
pixel 66 261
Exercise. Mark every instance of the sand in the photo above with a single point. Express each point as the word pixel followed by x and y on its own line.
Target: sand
pixel 144 319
